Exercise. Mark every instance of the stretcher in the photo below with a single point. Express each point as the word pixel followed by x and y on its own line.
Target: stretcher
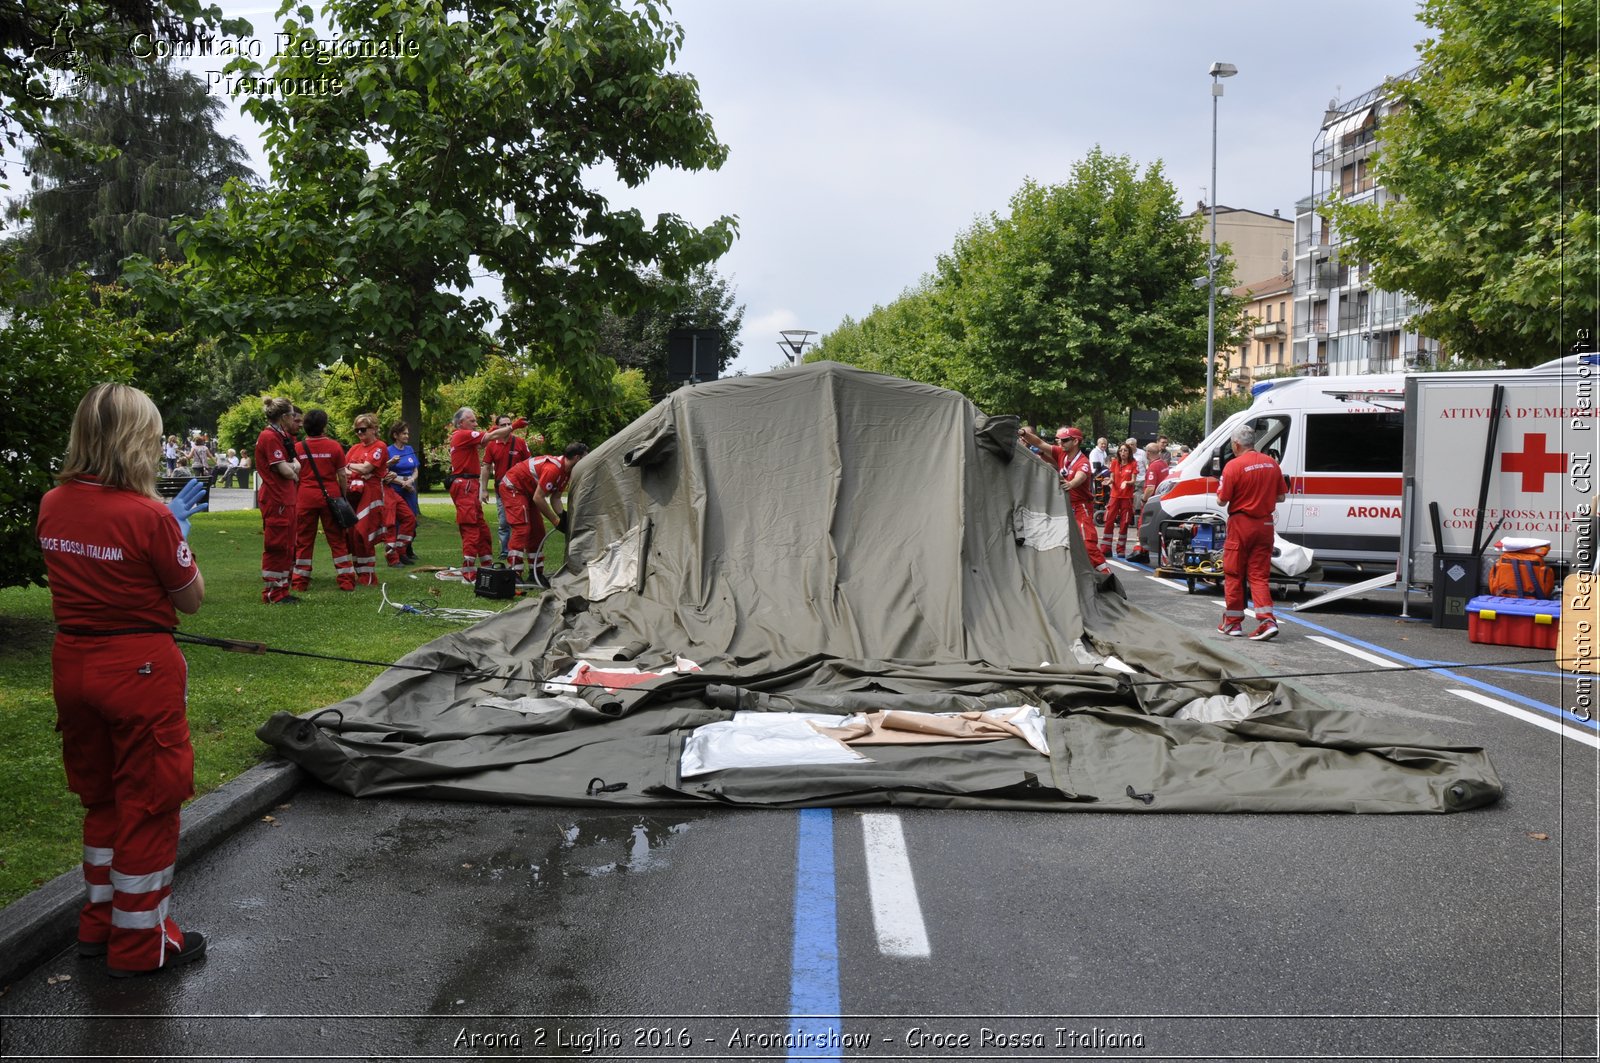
pixel 1191 550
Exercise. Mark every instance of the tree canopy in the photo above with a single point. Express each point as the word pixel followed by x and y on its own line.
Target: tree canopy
pixel 464 150
pixel 1492 158
pixel 155 156
pixel 639 340
pixel 1080 300
pixel 55 51
pixel 56 349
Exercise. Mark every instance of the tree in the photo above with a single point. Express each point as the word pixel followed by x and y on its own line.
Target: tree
pixel 1492 158
pixel 1083 297
pixel 56 349
pixel 156 156
pixel 460 147
pixel 911 337
pixel 639 340
pixel 55 50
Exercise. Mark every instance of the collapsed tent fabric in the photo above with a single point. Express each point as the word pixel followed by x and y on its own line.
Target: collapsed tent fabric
pixel 828 540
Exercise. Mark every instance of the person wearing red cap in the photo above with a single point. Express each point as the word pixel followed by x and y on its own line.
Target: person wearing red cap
pixel 1068 457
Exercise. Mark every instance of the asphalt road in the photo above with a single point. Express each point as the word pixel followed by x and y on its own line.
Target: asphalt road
pixel 392 929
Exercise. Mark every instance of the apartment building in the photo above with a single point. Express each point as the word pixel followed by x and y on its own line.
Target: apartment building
pixel 1258 245
pixel 1342 323
pixel 1265 353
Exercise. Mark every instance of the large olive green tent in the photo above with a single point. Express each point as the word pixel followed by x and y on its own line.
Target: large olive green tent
pixel 812 544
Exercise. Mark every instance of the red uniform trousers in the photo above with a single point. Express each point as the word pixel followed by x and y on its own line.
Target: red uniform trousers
pixel 307 517
pixel 1119 511
pixel 1083 513
pixel 1247 555
pixel 527 534
pixel 515 508
pixel 401 526
pixel 125 744
pixel 476 546
pixel 364 538
pixel 277 549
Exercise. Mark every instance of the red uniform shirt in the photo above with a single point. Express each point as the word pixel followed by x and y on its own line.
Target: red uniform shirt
pixel 1154 473
pixel 502 455
pixel 112 557
pixel 370 485
pixel 1251 484
pixel 1123 474
pixel 550 474
pixel 464 444
pixel 273 446
pixel 1083 494
pixel 327 455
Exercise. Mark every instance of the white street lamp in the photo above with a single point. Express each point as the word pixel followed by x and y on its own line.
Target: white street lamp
pixel 794 343
pixel 1218 72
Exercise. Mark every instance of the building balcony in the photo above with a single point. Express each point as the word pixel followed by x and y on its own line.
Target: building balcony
pixel 1269 330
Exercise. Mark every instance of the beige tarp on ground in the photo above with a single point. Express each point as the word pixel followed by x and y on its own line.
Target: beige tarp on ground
pixel 828 540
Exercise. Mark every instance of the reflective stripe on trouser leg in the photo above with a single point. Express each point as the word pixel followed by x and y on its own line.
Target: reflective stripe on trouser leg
pixel 94 918
pixel 277 551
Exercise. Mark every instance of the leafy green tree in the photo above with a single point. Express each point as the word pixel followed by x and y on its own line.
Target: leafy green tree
pixel 1186 422
pixel 911 337
pixel 56 51
pixel 1494 162
pixel 56 349
pixel 398 179
pixel 162 159
pixel 639 340
pixel 1082 297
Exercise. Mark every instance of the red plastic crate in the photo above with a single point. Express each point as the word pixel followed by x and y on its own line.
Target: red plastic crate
pixel 1531 622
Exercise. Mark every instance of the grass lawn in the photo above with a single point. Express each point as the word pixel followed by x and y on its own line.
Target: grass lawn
pixel 229 693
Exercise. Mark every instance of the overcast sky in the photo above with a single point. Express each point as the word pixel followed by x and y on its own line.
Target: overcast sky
pixel 865 134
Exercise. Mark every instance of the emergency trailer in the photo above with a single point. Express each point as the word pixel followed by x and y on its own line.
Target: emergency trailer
pixel 1369 459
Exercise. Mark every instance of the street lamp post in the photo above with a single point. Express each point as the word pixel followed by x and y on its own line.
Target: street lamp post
pixel 794 343
pixel 1218 72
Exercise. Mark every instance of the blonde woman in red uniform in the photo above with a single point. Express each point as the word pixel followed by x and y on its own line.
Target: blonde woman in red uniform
pixel 276 497
pixel 120 569
pixel 366 463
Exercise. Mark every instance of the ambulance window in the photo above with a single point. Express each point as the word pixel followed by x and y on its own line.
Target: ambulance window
pixel 1354 442
pixel 1272 436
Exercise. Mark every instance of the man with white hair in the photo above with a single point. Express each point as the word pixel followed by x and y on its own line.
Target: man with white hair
pixel 1252 485
pixel 469 491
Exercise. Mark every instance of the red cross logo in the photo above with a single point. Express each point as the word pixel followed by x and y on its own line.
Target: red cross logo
pixel 1534 463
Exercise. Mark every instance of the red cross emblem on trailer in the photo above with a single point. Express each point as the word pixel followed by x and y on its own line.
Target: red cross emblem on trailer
pixel 1534 462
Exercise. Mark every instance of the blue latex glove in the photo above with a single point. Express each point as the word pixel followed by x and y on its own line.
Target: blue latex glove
pixel 187 503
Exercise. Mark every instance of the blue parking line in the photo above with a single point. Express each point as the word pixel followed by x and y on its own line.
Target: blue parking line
pixel 1563 715
pixel 814 966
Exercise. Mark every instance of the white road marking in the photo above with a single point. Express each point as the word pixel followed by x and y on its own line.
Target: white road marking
pixel 896 913
pixel 1370 658
pixel 1171 585
pixel 1537 719
pixel 1123 565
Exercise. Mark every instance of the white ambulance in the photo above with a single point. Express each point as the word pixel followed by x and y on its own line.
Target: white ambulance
pixel 1363 477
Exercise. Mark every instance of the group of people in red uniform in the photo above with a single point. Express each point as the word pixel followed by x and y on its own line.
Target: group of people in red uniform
pixel 528 489
pixel 299 481
pixel 1251 487
pixel 119 567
